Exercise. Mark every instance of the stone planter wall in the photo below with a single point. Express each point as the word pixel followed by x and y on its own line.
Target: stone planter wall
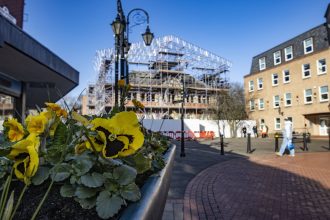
pixel 154 193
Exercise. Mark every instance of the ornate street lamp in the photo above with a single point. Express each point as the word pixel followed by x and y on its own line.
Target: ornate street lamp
pixel 120 27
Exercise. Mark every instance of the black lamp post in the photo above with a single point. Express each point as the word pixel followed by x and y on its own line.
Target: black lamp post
pixel 120 27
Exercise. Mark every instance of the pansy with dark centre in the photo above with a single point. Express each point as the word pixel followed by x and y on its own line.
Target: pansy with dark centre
pixel 119 135
pixel 26 159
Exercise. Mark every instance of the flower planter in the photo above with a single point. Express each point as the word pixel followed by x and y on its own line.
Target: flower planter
pixel 154 193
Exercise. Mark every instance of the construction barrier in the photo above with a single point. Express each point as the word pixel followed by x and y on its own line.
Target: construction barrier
pixel 189 135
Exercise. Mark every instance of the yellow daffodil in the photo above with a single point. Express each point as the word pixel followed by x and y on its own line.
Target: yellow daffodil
pixel 36 123
pixel 14 129
pixel 57 109
pixel 25 156
pixel 137 104
pixel 118 136
pixel 121 83
pixel 52 106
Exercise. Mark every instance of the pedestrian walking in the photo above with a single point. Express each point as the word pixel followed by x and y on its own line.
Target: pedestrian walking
pixel 255 131
pixel 287 138
pixel 244 131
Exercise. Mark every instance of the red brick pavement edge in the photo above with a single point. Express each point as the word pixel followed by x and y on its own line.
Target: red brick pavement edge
pixel 267 187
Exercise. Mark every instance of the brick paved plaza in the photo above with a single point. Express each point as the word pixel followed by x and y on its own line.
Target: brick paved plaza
pixel 207 185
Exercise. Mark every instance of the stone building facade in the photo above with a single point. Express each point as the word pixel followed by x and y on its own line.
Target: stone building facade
pixel 292 80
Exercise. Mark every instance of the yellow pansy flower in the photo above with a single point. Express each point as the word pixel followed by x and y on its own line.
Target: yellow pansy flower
pixel 36 123
pixel 57 109
pixel 119 135
pixel 137 104
pixel 15 131
pixel 26 159
pixel 121 83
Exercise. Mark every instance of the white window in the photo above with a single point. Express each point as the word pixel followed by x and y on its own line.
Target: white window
pixel 276 101
pixel 321 66
pixel 288 99
pixel 252 105
pixel 306 70
pixel 324 93
pixel 277 57
pixel 286 76
pixel 308 45
pixel 308 96
pixel 277 124
pixel 261 104
pixel 288 53
pixel 251 86
pixel 262 63
pixel 260 83
pixel 274 79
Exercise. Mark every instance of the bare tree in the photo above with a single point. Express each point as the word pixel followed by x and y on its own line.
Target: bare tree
pixel 230 106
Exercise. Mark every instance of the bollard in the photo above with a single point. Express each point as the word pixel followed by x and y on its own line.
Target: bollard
pixel 329 137
pixel 248 147
pixel 276 143
pixel 305 142
pixel 221 145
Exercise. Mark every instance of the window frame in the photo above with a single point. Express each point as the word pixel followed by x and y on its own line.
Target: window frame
pixel 283 72
pixel 274 101
pixel 286 53
pixel 258 83
pixel 263 104
pixel 251 86
pixel 305 46
pixel 252 103
pixel 305 101
pixel 303 71
pixel 277 55
pixel 277 123
pixel 320 94
pixel 260 63
pixel 285 99
pixel 318 66
pixel 273 79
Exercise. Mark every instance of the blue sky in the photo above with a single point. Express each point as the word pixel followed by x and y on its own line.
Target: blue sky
pixel 236 30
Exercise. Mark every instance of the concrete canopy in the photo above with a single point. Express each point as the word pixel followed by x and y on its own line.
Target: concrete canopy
pixel 41 74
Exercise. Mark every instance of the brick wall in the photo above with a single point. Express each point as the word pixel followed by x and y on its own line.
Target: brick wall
pixel 16 9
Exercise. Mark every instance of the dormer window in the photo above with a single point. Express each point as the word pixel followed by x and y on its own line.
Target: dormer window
pixel 288 53
pixel 308 45
pixel 262 63
pixel 277 57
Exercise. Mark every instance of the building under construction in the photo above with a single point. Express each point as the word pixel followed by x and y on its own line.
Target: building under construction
pixel 160 76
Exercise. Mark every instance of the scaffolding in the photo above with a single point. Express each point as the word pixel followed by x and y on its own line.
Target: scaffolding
pixel 157 74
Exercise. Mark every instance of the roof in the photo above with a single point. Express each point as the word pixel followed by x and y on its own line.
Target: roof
pixel 320 42
pixel 22 58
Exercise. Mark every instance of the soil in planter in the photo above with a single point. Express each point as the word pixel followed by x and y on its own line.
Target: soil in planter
pixel 55 207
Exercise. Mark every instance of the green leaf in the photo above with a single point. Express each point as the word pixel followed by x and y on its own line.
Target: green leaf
pixel 94 180
pixel 131 192
pixel 84 192
pixel 87 203
pixel 124 174
pixel 111 186
pixel 108 175
pixel 142 163
pixel 67 190
pixel 107 205
pixel 60 172
pixel 60 134
pixel 41 175
pixel 82 165
pixel 4 152
pixel 9 207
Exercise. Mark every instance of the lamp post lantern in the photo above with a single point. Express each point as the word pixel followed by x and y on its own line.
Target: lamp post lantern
pixel 120 27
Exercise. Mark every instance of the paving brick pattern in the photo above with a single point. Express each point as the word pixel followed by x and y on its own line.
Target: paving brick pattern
pixel 261 187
